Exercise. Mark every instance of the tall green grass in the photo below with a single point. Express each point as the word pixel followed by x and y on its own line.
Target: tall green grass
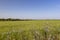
pixel 30 30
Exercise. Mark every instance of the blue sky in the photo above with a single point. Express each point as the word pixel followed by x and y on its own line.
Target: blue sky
pixel 30 9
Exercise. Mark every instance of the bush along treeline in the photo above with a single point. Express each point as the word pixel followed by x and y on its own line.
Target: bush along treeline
pixel 10 19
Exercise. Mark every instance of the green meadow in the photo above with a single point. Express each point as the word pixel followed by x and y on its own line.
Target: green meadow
pixel 30 30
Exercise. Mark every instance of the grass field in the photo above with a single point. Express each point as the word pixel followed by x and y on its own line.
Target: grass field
pixel 30 30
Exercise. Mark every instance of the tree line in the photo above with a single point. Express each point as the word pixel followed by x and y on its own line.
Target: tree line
pixel 10 19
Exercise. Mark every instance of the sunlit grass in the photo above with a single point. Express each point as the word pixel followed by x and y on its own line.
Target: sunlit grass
pixel 30 30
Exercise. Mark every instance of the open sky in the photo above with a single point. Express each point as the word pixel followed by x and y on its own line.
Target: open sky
pixel 30 9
